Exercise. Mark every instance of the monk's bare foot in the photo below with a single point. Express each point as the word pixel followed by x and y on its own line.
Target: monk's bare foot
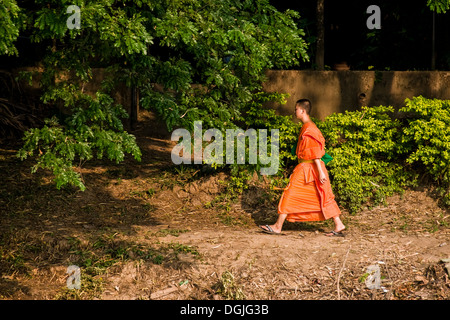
pixel 338 225
pixel 337 232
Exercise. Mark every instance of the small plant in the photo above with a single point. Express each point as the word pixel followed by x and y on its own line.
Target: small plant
pixel 91 287
pixel 228 288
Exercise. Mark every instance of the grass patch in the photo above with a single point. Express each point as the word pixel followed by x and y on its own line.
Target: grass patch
pixel 181 248
pixel 167 232
pixel 91 287
pixel 95 258
pixel 22 252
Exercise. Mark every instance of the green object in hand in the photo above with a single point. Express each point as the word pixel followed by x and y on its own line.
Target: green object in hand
pixel 294 148
pixel 326 158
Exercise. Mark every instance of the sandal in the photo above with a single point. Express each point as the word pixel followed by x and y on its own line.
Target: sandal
pixel 268 230
pixel 334 234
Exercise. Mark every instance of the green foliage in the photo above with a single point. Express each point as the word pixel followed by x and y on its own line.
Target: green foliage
pixel 11 21
pixel 223 47
pixel 205 60
pixel 93 129
pixel 440 6
pixel 366 167
pixel 188 59
pixel 375 152
pixel 259 117
pixel 426 138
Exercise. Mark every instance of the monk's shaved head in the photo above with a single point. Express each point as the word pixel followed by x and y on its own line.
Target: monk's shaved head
pixel 305 104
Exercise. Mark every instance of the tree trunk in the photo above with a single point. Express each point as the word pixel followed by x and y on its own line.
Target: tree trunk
pixel 433 44
pixel 320 46
pixel 134 108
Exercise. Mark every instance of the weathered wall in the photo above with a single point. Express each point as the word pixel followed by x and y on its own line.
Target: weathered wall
pixel 337 91
pixel 329 91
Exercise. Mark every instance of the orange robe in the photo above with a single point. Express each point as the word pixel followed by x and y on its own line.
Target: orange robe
pixel 305 198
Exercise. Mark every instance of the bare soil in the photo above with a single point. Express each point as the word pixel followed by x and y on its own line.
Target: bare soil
pixel 149 230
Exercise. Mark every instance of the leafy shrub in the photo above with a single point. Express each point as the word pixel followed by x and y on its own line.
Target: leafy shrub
pixel 11 24
pixel 426 140
pixel 260 117
pixel 93 129
pixel 375 151
pixel 366 167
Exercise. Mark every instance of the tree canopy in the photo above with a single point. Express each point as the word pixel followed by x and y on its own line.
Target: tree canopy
pixel 189 59
pixel 439 6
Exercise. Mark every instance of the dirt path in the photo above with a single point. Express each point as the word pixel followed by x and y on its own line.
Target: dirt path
pixel 295 265
pixel 145 231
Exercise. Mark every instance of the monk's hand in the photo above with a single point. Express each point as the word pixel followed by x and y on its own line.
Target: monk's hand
pixel 322 177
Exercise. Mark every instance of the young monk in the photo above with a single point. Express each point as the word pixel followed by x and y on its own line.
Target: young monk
pixel 308 196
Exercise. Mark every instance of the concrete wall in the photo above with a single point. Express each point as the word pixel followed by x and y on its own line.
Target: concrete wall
pixel 337 91
pixel 329 91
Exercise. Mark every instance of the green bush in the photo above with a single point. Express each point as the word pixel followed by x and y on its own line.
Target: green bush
pixel 426 140
pixel 94 129
pixel 258 117
pixel 366 166
pixel 376 151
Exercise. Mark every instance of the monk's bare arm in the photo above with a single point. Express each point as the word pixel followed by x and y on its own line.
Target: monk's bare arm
pixel 322 175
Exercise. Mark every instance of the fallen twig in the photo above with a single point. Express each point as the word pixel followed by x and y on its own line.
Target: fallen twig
pixel 339 275
pixel 165 292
